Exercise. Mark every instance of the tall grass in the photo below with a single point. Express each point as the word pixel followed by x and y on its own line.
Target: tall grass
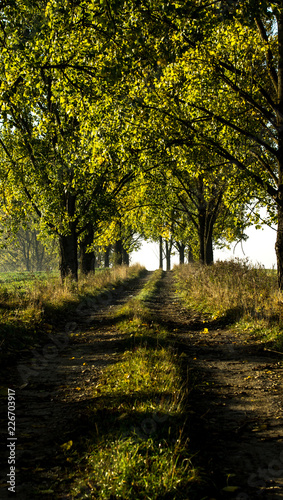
pixel 31 290
pixel 234 291
pixel 30 304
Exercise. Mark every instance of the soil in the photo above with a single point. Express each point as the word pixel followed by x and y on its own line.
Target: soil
pixel 235 419
pixel 234 415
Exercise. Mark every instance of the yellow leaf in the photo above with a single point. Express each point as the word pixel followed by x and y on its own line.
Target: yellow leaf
pixel 67 446
pixel 259 428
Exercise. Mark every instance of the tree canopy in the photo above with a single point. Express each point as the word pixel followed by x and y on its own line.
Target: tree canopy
pixel 162 118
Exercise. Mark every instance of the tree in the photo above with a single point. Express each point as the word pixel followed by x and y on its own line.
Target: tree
pixel 235 108
pixel 214 69
pixel 26 252
pixel 87 255
pixel 97 96
pixel 189 193
pixel 54 145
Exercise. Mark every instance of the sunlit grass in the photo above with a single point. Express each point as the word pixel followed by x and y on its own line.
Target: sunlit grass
pixel 128 469
pixel 29 302
pixel 145 370
pixel 138 450
pixel 136 309
pixel 235 292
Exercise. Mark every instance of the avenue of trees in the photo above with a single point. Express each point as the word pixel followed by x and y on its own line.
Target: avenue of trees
pixel 142 117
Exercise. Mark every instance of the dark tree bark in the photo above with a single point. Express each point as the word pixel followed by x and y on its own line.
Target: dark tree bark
pixel 118 250
pixel 69 254
pixel 160 253
pixel 181 249
pixel 168 247
pixel 205 238
pixel 279 240
pixel 201 233
pixel 107 256
pixel 39 252
pixel 209 257
pixel 125 257
pixel 279 248
pixel 190 254
pixel 87 259
pixel 207 215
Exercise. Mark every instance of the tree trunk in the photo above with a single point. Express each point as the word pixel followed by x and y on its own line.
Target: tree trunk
pixel 107 256
pixel 87 261
pixel 279 240
pixel 206 223
pixel 39 252
pixel 125 257
pixel 168 255
pixel 160 253
pixel 190 255
pixel 208 248
pixel 181 248
pixel 201 234
pixel 279 248
pixel 87 258
pixel 26 249
pixel 69 255
pixel 118 250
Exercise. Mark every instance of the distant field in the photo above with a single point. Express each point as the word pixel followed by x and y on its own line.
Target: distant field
pixel 17 276
pixel 24 281
pixel 25 276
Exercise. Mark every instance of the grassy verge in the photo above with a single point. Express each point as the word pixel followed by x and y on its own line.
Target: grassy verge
pixel 32 305
pixel 137 449
pixel 235 293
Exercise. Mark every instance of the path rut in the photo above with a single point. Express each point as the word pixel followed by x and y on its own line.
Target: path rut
pixel 51 403
pixel 235 418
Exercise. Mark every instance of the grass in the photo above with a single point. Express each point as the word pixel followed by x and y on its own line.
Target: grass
pixel 138 450
pixel 33 303
pixel 236 293
pixel 135 310
pixel 144 470
pixel 23 277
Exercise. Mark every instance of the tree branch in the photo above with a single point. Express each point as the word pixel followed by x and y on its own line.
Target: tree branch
pixel 269 56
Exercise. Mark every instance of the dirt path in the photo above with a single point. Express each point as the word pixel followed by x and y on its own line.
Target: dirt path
pixel 235 418
pixel 52 402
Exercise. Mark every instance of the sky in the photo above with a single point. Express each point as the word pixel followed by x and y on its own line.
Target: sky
pixel 259 249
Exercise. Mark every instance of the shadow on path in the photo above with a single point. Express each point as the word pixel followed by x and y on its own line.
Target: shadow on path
pixel 54 389
pixel 235 421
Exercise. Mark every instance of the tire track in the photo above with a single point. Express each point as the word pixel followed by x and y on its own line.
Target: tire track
pixel 52 404
pixel 235 419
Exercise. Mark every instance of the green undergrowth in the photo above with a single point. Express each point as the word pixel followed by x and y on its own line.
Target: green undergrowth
pixel 235 294
pixel 136 309
pixel 138 449
pixel 16 280
pixel 32 306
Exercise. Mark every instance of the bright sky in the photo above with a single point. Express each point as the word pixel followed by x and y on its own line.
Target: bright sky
pixel 259 248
